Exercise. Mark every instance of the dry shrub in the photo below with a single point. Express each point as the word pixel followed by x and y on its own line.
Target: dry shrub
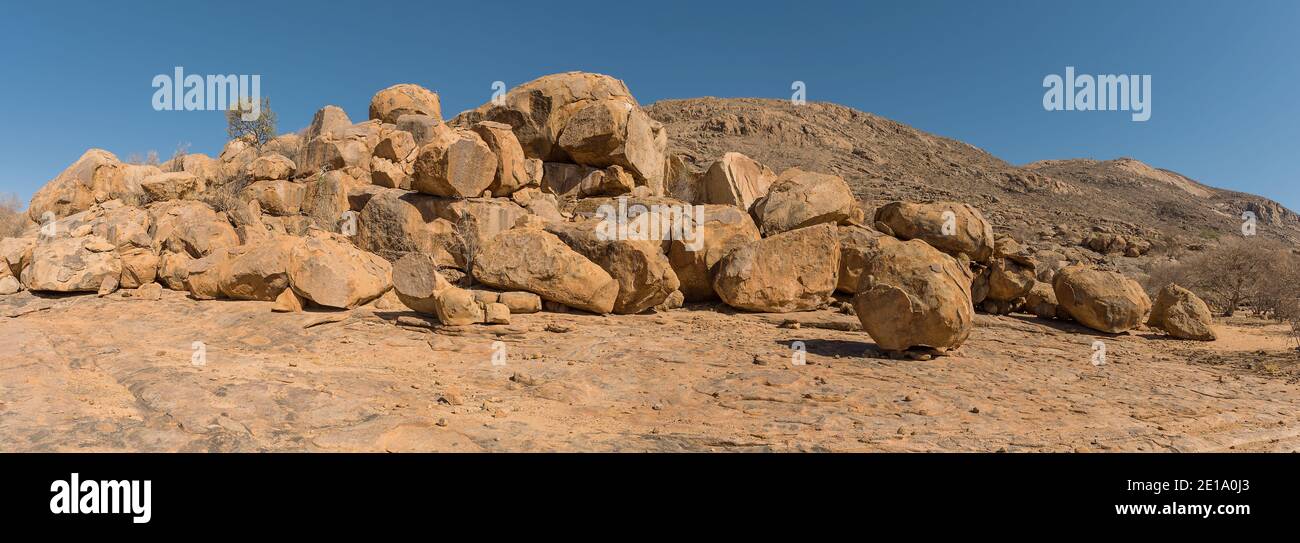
pixel 1237 272
pixel 13 219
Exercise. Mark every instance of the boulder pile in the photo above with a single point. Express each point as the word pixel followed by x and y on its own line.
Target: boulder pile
pixel 559 194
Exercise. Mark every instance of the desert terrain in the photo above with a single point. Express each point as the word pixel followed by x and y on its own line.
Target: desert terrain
pixel 83 373
pixel 418 283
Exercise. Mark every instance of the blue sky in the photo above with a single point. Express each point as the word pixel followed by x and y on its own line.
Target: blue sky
pixel 1224 74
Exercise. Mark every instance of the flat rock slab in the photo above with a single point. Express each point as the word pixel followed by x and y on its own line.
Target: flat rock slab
pixel 100 374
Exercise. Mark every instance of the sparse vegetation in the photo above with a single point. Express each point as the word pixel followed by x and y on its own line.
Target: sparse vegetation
pixel 1236 273
pixel 258 131
pixel 12 219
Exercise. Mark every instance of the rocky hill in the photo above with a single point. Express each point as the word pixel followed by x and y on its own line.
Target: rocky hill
pixel 1058 200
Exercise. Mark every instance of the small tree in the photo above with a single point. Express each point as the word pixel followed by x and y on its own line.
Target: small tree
pixel 258 130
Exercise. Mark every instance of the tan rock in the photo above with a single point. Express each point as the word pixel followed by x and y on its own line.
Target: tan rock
pixel 1102 300
pixel 73 190
pixel 1009 279
pixel 1041 300
pixel 736 180
pixel 288 302
pixel 139 266
pixel 417 282
pixel 191 227
pixel 701 246
pixel 858 245
pixel 459 166
pixel 173 270
pixel 271 167
pixel 455 306
pixel 538 110
pixel 912 295
pixel 539 262
pixel 278 197
pixel 496 313
pixel 951 227
pixel 519 302
pixel 259 271
pixel 331 272
pixel 792 271
pixel 1182 314
pixel 172 186
pixel 616 133
pixel 71 265
pixel 512 171
pixel 203 275
pixel 798 199
pixel 644 276
pixel 391 103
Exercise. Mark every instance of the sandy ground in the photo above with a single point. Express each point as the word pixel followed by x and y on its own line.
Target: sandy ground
pixel 116 374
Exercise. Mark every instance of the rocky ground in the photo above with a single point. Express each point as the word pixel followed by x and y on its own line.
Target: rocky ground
pixel 83 373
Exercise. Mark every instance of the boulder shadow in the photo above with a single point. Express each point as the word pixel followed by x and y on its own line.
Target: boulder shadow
pixel 836 347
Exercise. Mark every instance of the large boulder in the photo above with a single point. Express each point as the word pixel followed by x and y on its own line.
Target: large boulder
pixel 172 186
pixel 17 253
pixel 460 165
pixel 420 287
pixel 330 271
pixel 912 295
pixel 645 278
pixel 73 190
pixel 512 170
pixel 704 243
pixel 277 197
pixel 1009 279
pixel 616 133
pixel 271 166
pixel 72 264
pixel 537 261
pixel 537 111
pixel 326 120
pixel 858 245
pixel 417 282
pixel 1041 301
pixel 736 180
pixel 258 271
pixel 798 199
pixel 348 148
pixel 953 228
pixel 191 227
pixel 325 200
pixel 1182 314
pixel 391 103
pixel 792 271
pixel 682 179
pixel 1106 301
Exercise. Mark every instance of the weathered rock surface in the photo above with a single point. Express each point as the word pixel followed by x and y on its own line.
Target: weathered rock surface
pixel 644 276
pixel 797 199
pixel 793 271
pixel 912 295
pixel 332 273
pixel 736 180
pixel 391 103
pixel 694 254
pixel 1102 300
pixel 858 245
pixel 539 262
pixel 953 228
pixel 1182 314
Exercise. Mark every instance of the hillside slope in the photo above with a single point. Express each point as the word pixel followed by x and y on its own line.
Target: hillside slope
pixel 1061 200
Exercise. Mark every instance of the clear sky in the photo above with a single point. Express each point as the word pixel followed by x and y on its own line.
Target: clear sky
pixel 1224 74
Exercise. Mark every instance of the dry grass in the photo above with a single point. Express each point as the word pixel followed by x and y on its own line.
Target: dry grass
pixel 12 218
